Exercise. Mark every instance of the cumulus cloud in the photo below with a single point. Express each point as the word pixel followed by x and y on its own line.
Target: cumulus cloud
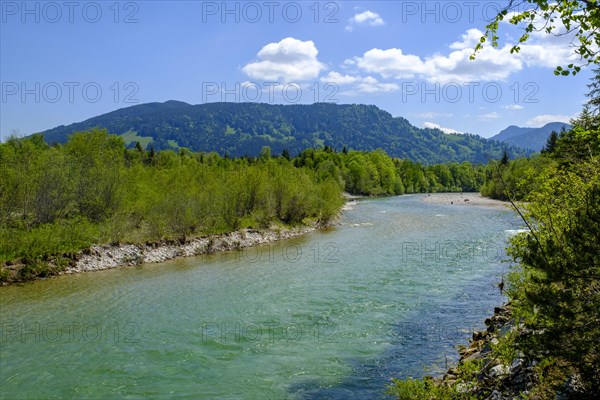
pixel 339 79
pixel 368 18
pixel 433 125
pixel 469 40
pixel 541 120
pixel 547 50
pixel 456 66
pixel 372 85
pixel 391 63
pixel 488 116
pixel 431 115
pixel 513 107
pixel 491 63
pixel 289 60
pixel 360 84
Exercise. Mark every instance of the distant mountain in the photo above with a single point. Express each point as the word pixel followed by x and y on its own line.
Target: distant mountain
pixel 510 133
pixel 241 129
pixel 533 139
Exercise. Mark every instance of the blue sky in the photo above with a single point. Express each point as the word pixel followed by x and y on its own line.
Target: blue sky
pixel 64 62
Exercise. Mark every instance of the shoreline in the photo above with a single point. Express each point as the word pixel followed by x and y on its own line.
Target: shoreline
pixel 497 377
pixel 109 256
pixel 101 257
pixel 469 199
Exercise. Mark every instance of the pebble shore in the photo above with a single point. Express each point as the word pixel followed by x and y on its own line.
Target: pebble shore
pixel 465 199
pixel 101 257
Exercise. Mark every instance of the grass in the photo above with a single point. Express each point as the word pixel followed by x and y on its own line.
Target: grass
pixel 47 240
pixel 132 137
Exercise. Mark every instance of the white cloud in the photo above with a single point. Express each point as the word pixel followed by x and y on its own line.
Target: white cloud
pixel 391 63
pixel 432 125
pixel 513 107
pixel 288 60
pixel 369 18
pixel 544 50
pixel 541 120
pixel 372 85
pixel 488 116
pixel 490 64
pixel 547 50
pixel 360 84
pixel 340 79
pixel 469 40
pixel 431 115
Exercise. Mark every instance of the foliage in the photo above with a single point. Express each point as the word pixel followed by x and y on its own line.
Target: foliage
pixel 376 174
pixel 432 389
pixel 61 199
pixel 559 290
pixel 594 93
pixel 551 374
pixel 577 18
pixel 244 129
pixel 517 179
pixel 419 389
pixel 556 286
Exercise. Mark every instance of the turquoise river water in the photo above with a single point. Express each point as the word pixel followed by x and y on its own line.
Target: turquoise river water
pixel 335 314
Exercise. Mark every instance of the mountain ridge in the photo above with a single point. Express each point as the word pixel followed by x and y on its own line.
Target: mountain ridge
pixel 239 129
pixel 533 139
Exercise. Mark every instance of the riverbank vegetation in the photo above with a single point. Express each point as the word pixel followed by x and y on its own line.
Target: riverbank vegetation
pixel 58 200
pixel 62 199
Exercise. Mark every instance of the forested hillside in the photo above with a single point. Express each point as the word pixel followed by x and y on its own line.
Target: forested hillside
pixel 239 129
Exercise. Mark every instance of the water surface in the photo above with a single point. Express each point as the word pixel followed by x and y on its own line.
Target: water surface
pixel 334 314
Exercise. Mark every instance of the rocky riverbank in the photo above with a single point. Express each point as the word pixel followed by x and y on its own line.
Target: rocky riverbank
pixel 112 256
pixel 101 257
pixel 493 377
pixel 492 368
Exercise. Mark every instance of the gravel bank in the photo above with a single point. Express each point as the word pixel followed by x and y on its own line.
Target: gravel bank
pixel 465 199
pixel 100 257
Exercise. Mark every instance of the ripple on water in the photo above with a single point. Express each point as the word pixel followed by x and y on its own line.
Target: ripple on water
pixel 391 304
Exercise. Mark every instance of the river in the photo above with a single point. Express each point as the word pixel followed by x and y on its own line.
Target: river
pixel 335 314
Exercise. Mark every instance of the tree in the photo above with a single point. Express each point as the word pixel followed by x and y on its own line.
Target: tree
pixel 96 158
pixel 551 143
pixel 594 93
pixel 151 157
pixel 558 288
pixel 265 153
pixel 579 18
pixel 505 158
